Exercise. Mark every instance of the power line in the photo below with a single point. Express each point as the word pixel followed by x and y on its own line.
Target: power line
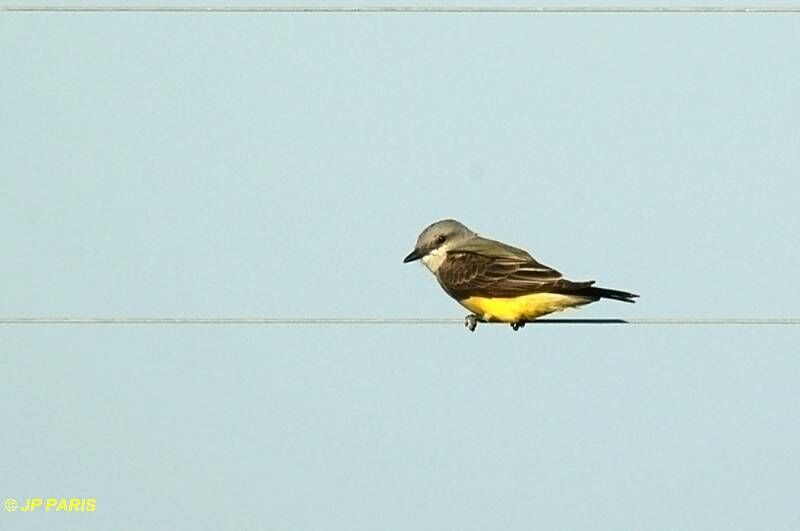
pixel 403 9
pixel 686 321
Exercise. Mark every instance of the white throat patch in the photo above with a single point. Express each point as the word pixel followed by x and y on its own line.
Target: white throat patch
pixel 433 260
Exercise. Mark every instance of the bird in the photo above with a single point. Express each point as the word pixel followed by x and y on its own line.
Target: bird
pixel 497 282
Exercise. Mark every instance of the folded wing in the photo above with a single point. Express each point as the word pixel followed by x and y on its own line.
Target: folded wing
pixel 499 270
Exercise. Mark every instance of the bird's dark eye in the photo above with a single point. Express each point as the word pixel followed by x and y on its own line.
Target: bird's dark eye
pixel 440 239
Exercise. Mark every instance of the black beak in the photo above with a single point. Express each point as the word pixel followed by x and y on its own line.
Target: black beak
pixel 416 254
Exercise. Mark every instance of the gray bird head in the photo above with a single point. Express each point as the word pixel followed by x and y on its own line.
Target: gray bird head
pixel 437 238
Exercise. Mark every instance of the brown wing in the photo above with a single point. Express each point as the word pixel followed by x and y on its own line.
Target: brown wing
pixel 467 274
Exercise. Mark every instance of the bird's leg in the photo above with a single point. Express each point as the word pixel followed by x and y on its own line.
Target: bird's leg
pixel 519 324
pixel 471 321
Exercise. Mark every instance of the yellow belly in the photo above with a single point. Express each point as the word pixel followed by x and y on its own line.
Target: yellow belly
pixel 522 308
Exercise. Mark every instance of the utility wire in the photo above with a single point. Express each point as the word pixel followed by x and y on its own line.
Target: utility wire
pixel 686 321
pixel 401 9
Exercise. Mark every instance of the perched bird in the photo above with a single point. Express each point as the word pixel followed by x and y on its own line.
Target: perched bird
pixel 498 282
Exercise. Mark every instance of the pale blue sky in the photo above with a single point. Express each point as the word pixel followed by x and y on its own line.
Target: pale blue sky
pixel 283 165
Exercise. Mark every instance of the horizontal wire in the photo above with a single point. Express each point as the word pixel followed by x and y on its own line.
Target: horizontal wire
pixel 375 321
pixel 403 9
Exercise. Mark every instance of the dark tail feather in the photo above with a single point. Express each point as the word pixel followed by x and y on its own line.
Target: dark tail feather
pixel 587 289
pixel 605 293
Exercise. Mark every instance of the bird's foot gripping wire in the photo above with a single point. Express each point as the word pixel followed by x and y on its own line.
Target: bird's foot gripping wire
pixel 471 321
pixel 519 324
